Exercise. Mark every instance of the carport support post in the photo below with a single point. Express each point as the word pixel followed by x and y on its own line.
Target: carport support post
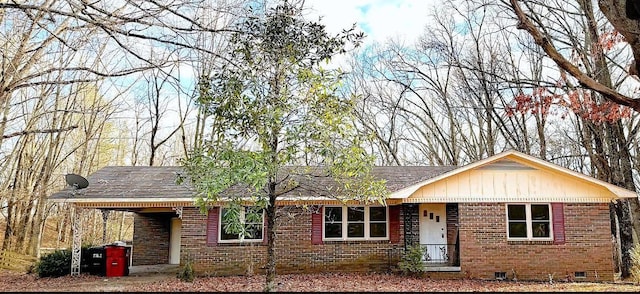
pixel 105 217
pixel 76 248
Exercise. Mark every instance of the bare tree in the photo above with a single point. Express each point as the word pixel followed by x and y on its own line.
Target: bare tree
pixel 450 98
pixel 64 67
pixel 158 109
pixel 532 17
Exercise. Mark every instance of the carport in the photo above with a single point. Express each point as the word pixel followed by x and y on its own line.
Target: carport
pixel 149 192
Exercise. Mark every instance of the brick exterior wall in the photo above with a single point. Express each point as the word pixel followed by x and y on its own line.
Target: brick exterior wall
pixel 151 238
pixel 295 252
pixel 411 228
pixel 484 248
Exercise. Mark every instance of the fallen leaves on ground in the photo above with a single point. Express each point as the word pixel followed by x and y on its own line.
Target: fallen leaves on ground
pixel 329 282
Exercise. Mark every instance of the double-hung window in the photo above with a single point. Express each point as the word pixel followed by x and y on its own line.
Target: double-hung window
pixel 249 221
pixel 356 223
pixel 529 222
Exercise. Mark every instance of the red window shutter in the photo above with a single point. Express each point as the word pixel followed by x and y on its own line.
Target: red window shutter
pixel 394 224
pixel 316 226
pixel 558 223
pixel 212 226
pixel 265 235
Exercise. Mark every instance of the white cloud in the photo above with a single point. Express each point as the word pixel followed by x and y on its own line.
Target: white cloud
pixel 379 19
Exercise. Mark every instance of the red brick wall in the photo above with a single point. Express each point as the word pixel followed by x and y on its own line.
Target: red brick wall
pixel 151 238
pixel 295 252
pixel 484 248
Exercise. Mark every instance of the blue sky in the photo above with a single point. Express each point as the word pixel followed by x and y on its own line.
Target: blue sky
pixel 379 19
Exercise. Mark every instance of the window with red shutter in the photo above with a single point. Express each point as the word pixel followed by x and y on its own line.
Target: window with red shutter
pixel 529 222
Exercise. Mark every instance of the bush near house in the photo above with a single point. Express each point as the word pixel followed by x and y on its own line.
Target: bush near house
pixel 411 263
pixel 186 273
pixel 58 263
pixel 55 264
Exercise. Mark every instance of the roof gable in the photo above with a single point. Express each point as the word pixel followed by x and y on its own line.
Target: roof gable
pixel 509 177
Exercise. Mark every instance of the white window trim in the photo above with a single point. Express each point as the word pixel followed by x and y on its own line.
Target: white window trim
pixel 529 222
pixel 345 222
pixel 220 229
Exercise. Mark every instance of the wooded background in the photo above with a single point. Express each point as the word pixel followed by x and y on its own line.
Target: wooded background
pixel 86 85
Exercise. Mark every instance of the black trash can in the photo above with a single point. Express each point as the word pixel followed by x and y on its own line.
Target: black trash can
pixel 97 258
pixel 84 260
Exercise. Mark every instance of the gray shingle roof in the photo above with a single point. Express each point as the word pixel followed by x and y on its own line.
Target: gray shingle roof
pixel 145 182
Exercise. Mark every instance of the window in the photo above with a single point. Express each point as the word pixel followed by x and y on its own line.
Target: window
pixel 251 224
pixel 355 223
pixel 333 222
pixel 378 222
pixel 529 221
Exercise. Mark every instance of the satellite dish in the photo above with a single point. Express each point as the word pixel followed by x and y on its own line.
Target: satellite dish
pixel 76 181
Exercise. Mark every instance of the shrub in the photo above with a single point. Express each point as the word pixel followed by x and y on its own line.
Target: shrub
pixel 186 273
pixel 411 262
pixel 54 264
pixel 635 263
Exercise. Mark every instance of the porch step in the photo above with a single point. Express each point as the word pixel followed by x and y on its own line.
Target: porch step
pixel 432 268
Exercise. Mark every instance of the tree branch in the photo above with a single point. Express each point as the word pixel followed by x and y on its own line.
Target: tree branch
pixel 46 131
pixel 584 80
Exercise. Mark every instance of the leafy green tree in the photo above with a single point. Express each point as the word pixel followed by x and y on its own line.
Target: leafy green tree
pixel 274 108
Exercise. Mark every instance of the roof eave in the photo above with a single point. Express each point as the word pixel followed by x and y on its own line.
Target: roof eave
pixel 166 202
pixel 124 200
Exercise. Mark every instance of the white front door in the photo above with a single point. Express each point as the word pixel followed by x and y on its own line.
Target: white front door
pixel 174 241
pixel 433 232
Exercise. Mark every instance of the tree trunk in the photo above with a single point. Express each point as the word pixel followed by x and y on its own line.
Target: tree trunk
pixel 8 227
pixel 270 283
pixel 120 226
pixel 622 211
pixel 615 228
